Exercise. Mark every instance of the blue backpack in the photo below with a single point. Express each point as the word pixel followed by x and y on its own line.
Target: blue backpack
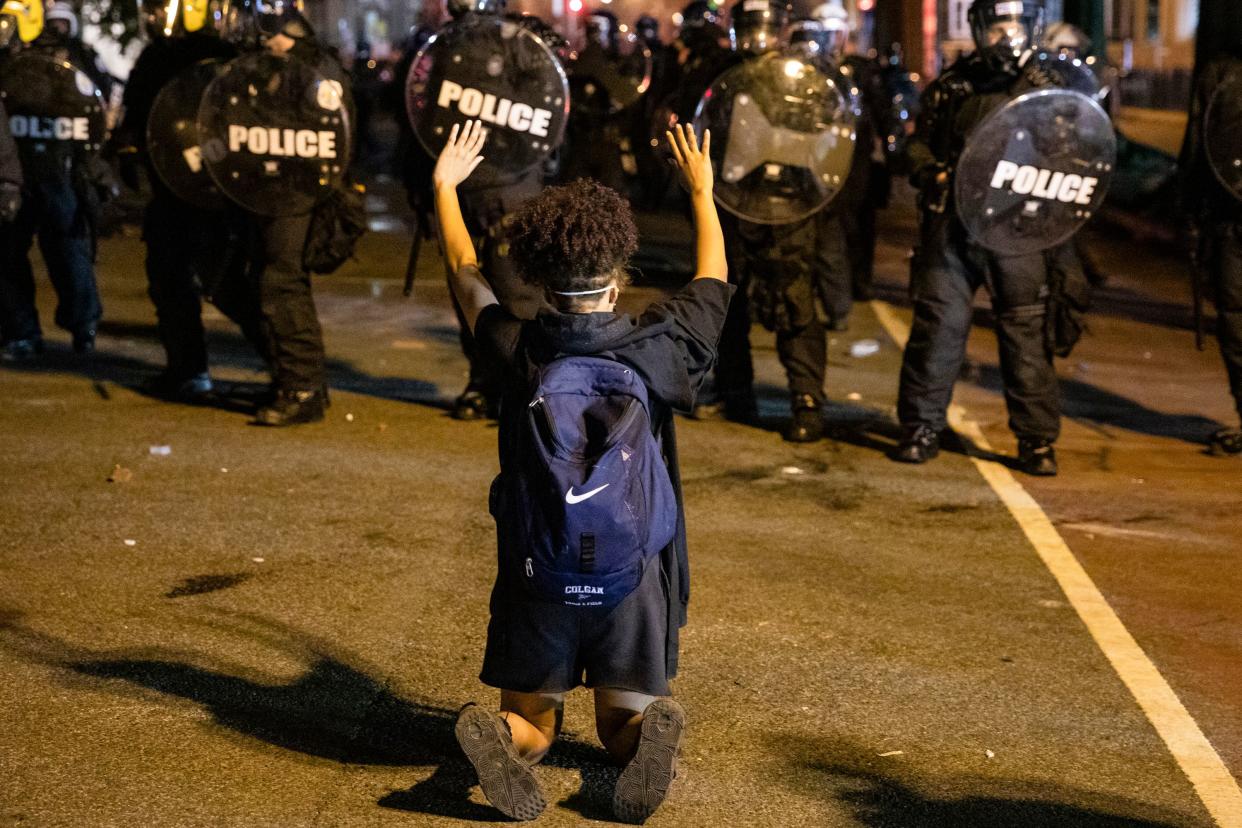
pixel 590 501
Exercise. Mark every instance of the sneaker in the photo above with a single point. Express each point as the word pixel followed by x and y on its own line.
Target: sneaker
pixel 807 424
pixel 471 405
pixel 291 408
pixel 507 780
pixel 1037 458
pixel 919 445
pixel 1225 443
pixel 644 783
pixel 19 350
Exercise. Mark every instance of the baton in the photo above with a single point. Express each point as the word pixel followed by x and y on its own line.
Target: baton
pixel 416 247
pixel 1196 286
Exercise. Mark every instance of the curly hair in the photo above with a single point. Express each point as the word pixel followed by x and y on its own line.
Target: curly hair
pixel 574 238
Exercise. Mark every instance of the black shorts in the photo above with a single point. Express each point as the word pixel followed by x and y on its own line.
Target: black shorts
pixel 536 646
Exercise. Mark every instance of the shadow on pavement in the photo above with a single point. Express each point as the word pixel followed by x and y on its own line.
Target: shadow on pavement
pixel 888 799
pixel 227 350
pixel 337 709
pixel 1084 401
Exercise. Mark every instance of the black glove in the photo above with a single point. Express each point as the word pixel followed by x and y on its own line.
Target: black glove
pixel 1034 75
pixel 10 201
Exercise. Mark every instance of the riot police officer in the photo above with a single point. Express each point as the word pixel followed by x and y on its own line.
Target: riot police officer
pixel 949 267
pixel 787 273
pixel 485 208
pixel 60 206
pixel 190 247
pixel 288 320
pixel 1214 212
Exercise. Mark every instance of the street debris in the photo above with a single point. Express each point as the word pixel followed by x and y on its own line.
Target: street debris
pixel 257 560
pixel 120 474
pixel 854 396
pixel 989 754
pixel 792 470
pixel 131 542
pixel 864 348
pixel 160 451
pixel 892 753
pixel 349 418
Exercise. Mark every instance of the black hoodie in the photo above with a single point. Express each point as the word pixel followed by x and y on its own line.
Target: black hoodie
pixel 671 346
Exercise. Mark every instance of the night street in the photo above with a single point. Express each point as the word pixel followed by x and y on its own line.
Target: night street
pixel 208 623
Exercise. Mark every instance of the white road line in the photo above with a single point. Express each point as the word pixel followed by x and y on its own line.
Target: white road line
pixel 1191 749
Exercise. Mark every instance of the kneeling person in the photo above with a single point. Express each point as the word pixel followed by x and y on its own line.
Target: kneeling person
pixel 592 582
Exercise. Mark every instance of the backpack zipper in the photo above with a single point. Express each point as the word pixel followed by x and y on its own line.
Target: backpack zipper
pixel 530 568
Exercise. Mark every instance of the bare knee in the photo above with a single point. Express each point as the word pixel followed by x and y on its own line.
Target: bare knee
pixel 534 719
pixel 619 720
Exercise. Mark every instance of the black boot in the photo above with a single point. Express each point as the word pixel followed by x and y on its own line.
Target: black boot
pixel 19 350
pixel 807 424
pixel 292 408
pixel 471 405
pixel 84 341
pixel 919 444
pixel 1037 458
pixel 1225 443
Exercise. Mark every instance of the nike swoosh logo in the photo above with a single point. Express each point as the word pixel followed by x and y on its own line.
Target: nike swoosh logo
pixel 572 498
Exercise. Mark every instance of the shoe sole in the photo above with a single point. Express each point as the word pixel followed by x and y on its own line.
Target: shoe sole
pixel 508 782
pixel 644 783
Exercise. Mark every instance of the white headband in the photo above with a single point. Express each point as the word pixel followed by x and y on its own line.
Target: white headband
pixel 583 292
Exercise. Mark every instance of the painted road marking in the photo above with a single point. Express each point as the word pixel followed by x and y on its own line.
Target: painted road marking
pixel 1191 749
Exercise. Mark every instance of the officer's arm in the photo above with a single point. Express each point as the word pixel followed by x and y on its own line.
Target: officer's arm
pixel 921 161
pixel 459 158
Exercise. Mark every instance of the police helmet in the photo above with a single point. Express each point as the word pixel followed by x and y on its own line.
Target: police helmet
pixel 699 13
pixel 23 18
pixel 757 26
pixel 1005 30
pixel 63 15
pixel 1067 39
pixel 648 28
pixel 602 27
pixel 458 8
pixel 173 18
pixel 551 38
pixel 825 32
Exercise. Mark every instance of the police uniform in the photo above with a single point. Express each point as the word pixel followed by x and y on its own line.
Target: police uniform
pixel 949 268
pixel 10 172
pixel 60 205
pixel 191 250
pixel 1218 216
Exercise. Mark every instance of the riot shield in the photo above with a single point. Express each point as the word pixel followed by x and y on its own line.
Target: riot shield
pixel 172 137
pixel 55 112
pixel 625 75
pixel 1035 171
pixel 782 138
pixel 1071 73
pixel 1222 135
pixel 275 134
pixel 492 69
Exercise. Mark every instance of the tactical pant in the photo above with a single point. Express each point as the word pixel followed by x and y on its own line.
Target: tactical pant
pixel 798 262
pixel 833 274
pixel 947 272
pixel 191 252
pixel 53 211
pixel 860 236
pixel 1225 270
pixel 288 322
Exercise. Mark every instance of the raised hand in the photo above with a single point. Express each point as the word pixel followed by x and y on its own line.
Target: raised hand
pixel 695 163
pixel 460 156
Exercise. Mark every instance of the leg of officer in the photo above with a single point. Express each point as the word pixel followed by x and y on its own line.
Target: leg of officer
pixel 291 324
pixel 1020 294
pixel 833 267
pixel 171 284
pixel 1228 293
pixel 19 319
pixel 943 284
pixel 66 239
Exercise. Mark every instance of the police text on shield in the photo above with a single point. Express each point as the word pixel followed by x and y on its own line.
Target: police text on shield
pixel 1048 184
pixel 517 116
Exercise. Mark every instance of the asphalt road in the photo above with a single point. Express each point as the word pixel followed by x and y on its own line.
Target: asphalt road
pixel 276 628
